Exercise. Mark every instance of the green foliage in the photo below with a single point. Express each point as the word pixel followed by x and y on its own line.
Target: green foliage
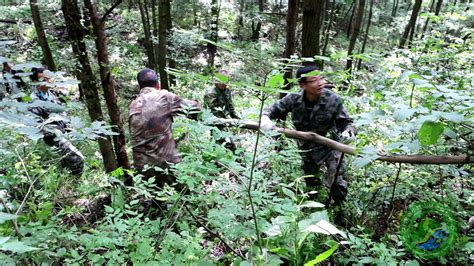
pixel 404 101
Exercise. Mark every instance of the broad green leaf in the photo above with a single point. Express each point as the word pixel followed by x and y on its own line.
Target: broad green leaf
pixel 368 155
pixel 450 133
pixel 403 113
pixel 323 256
pixel 4 239
pixel 412 263
pixel 6 216
pixel 274 230
pixel 324 227
pixel 276 81
pixel 288 192
pixel 222 78
pixel 17 247
pixel 429 132
pixel 312 204
pixel 366 260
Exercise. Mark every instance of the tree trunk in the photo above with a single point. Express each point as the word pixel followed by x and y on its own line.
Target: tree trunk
pixel 311 28
pixel 42 41
pixel 258 27
pixel 427 20
pixel 349 27
pixel 291 22
pixel 211 47
pixel 411 23
pixel 318 139
pixel 162 43
pixel 146 30
pixel 438 7
pixel 394 8
pixel 366 35
pixel 72 17
pixel 108 85
pixel 171 61
pixel 154 21
pixel 332 18
pixel 355 32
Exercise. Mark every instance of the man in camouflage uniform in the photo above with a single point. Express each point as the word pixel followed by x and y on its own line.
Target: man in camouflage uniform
pixel 219 99
pixel 316 109
pixel 53 128
pixel 150 120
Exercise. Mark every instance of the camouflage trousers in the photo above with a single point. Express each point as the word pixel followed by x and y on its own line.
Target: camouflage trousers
pixel 340 185
pixel 71 158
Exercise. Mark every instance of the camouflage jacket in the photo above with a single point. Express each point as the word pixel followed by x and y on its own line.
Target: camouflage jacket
pixel 150 121
pixel 50 97
pixel 326 117
pixel 220 102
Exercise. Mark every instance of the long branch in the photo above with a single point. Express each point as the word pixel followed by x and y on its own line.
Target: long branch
pixel 318 139
pixel 104 17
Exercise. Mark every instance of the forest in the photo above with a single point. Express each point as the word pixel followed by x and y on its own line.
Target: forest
pixel 380 174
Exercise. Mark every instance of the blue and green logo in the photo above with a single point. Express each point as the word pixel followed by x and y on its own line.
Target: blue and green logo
pixel 428 229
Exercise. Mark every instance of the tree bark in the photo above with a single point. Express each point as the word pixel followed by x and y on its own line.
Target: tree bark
pixel 291 22
pixel 438 7
pixel 213 37
pixel 108 85
pixel 162 42
pixel 351 19
pixel 258 27
pixel 146 30
pixel 318 139
pixel 366 35
pixel 72 17
pixel 171 61
pixel 411 23
pixel 359 14
pixel 427 20
pixel 311 28
pixel 42 40
pixel 394 8
pixel 154 30
pixel 332 18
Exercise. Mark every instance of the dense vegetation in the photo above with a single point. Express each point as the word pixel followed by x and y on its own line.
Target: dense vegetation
pixel 409 91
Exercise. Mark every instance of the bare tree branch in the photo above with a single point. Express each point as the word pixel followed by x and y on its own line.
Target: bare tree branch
pixel 104 17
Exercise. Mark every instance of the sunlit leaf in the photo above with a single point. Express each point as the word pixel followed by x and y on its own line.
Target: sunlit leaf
pixel 6 217
pixel 323 256
pixel 429 132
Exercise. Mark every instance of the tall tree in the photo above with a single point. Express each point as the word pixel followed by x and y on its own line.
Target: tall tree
pixel 432 6
pixel 411 23
pixel 257 27
pixel 42 41
pixel 213 37
pixel 356 24
pixel 438 7
pixel 311 28
pixel 332 17
pixel 290 45
pixel 394 8
pixel 108 83
pixel 169 34
pixel 366 34
pixel 291 22
pixel 149 48
pixel 73 18
pixel 162 42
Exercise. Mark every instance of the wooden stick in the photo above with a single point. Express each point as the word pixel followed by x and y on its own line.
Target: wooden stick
pixel 318 139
